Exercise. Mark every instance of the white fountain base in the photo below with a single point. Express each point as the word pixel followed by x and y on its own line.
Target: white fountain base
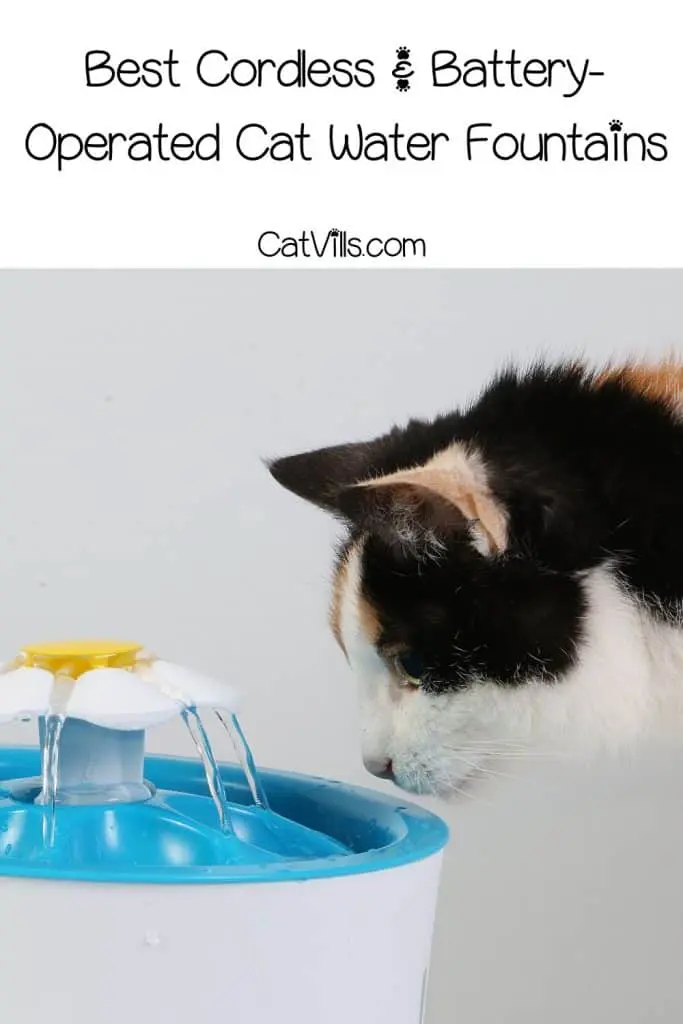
pixel 327 951
pixel 319 911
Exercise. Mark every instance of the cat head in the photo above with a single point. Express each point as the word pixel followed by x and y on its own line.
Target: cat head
pixel 457 630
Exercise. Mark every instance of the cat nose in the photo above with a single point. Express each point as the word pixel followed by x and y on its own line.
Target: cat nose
pixel 380 768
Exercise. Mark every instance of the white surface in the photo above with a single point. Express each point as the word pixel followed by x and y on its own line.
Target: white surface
pixel 482 213
pixel 117 699
pixel 337 950
pixel 561 899
pixel 92 758
pixel 24 692
pixel 189 687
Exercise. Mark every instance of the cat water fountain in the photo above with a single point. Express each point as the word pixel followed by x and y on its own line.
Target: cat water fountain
pixel 133 888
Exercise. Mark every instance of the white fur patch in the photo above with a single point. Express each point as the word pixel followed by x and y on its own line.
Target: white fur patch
pixel 376 686
pixel 626 684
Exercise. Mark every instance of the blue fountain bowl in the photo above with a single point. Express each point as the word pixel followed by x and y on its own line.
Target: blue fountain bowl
pixel 313 828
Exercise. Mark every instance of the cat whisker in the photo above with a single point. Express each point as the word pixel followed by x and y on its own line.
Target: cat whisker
pixel 481 769
pixel 494 752
pixel 455 788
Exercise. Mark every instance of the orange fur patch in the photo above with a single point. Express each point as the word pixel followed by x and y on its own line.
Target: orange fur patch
pixel 661 382
pixel 368 618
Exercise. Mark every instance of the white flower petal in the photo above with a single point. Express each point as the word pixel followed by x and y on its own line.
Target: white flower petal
pixel 25 692
pixel 115 698
pixel 191 688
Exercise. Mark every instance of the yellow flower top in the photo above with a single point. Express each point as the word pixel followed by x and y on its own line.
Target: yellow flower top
pixel 79 656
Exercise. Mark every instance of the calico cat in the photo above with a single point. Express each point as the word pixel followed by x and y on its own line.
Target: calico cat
pixel 513 572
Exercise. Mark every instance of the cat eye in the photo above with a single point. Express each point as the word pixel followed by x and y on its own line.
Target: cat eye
pixel 410 666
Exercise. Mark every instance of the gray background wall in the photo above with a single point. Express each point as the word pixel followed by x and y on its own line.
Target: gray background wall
pixel 134 410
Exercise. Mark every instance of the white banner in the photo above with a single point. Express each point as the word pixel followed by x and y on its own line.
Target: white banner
pixel 368 134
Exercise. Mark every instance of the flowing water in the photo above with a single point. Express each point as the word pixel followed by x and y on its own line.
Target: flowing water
pixel 246 758
pixel 62 689
pixel 213 778
pixel 51 733
pixel 50 774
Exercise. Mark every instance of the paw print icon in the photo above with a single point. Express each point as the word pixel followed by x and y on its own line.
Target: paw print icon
pixel 403 69
pixel 615 126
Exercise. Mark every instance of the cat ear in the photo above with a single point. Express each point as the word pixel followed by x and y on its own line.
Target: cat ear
pixel 426 503
pixel 320 476
pixel 402 512
pixel 429 503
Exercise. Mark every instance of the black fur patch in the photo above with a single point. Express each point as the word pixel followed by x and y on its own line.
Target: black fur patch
pixel 587 474
pixel 470 618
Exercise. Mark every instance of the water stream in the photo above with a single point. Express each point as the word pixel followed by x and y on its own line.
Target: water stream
pixel 246 759
pixel 51 733
pixel 50 775
pixel 213 778
pixel 62 689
